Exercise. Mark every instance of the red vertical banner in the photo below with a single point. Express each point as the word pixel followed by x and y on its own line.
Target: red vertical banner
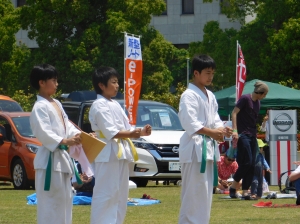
pixel 133 76
pixel 240 73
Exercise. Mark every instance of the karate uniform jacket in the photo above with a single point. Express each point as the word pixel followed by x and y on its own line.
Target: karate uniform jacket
pixel 195 112
pixel 49 130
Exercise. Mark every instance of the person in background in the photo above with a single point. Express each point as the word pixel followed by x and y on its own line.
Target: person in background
pixel 295 176
pixel 226 167
pixel 244 119
pixel 265 127
pixel 258 179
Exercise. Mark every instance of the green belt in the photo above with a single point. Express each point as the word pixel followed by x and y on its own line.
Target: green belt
pixel 204 156
pixel 48 170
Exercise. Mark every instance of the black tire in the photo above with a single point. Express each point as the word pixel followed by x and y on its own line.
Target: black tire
pixel 19 176
pixel 140 182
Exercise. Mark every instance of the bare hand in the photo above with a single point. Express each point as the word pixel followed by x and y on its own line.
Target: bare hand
pixel 93 134
pixel 218 135
pixel 297 163
pixel 227 131
pixel 75 140
pixel 136 133
pixel 266 117
pixel 146 131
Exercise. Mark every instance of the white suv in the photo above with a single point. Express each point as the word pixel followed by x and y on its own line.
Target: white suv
pixel 158 153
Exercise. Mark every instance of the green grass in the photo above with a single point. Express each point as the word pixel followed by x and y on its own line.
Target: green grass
pixel 14 210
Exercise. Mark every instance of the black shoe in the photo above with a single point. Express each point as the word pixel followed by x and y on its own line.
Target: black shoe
pixel 232 193
pixel 248 197
pixel 298 200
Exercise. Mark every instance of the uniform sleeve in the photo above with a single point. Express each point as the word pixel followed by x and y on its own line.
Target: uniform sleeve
pixel 218 122
pixel 72 130
pixel 100 116
pixel 188 108
pixel 42 129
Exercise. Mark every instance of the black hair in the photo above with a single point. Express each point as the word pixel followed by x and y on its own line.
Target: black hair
pixel 42 72
pixel 201 62
pixel 102 75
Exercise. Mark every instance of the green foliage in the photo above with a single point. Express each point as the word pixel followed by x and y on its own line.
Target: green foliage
pixel 13 57
pixel 77 36
pixel 25 100
pixel 269 43
pixel 221 46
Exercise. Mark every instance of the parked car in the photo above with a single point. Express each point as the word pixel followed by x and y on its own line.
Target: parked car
pixel 158 153
pixel 17 149
pixel 8 104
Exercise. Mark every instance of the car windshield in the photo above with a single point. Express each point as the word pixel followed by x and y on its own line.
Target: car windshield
pixel 23 126
pixel 160 117
pixel 10 106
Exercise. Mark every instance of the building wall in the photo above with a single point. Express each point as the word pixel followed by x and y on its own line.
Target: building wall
pixel 22 36
pixel 181 28
pixel 178 28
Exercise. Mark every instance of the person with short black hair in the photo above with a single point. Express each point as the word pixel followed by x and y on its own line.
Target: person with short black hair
pixel 111 125
pixel 52 164
pixel 244 119
pixel 198 149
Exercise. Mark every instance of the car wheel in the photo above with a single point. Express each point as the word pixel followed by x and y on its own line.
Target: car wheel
pixel 19 176
pixel 140 182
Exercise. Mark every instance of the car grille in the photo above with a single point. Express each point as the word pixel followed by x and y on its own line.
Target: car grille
pixel 167 150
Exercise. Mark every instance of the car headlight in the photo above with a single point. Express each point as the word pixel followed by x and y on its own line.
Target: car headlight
pixel 33 148
pixel 142 143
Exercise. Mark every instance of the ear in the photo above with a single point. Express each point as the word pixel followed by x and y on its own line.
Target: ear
pixel 101 86
pixel 41 82
pixel 196 72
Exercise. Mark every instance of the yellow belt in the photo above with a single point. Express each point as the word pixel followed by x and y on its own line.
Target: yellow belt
pixel 133 149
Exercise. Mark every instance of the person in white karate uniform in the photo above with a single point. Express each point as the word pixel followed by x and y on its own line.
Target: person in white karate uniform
pixel 52 164
pixel 198 150
pixel 109 121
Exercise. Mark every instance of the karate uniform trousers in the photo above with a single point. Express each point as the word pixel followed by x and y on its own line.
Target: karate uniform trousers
pixel 196 192
pixel 110 194
pixel 54 206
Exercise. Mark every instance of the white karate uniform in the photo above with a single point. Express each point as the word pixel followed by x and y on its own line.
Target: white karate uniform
pixel 195 112
pixel 54 206
pixel 110 194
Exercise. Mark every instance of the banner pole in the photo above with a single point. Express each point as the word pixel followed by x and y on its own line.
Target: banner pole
pixel 187 72
pixel 125 44
pixel 236 64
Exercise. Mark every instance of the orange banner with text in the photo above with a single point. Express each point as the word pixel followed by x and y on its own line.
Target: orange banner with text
pixel 134 69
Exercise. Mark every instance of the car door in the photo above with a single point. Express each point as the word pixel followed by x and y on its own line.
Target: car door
pixel 5 147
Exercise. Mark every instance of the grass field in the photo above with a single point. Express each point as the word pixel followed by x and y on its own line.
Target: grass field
pixel 14 210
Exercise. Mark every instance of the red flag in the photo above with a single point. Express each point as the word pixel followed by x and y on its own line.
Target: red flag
pixel 240 73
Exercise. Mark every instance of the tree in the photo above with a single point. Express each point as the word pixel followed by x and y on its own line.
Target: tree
pixel 221 46
pixel 269 42
pixel 13 56
pixel 77 36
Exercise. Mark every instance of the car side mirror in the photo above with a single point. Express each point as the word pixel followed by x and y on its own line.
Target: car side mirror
pixel 1 139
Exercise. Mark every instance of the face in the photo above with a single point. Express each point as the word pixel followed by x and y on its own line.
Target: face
pixel 49 86
pixel 205 77
pixel 262 96
pixel 111 89
pixel 229 160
